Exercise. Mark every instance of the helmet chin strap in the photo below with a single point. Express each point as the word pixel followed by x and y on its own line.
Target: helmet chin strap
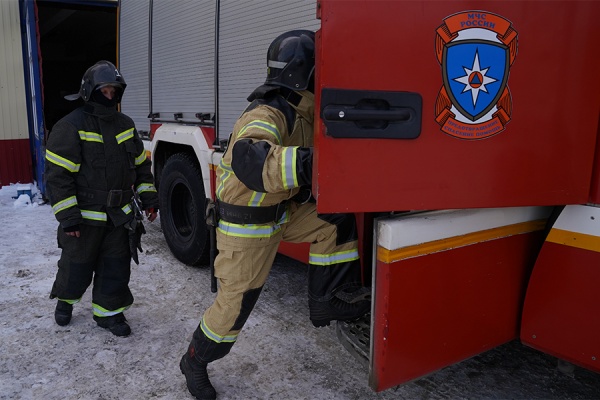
pixel 311 83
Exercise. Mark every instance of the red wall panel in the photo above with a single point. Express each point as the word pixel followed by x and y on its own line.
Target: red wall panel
pixel 15 162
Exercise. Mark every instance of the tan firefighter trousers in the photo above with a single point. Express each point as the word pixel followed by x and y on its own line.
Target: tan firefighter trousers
pixel 244 263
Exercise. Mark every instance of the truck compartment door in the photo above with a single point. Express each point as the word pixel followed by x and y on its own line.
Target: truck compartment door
pixel 432 105
pixel 448 285
pixel 561 315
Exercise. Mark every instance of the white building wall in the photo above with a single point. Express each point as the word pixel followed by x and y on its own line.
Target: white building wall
pixel 13 109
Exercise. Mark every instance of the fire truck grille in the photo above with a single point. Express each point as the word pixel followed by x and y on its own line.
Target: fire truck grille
pixel 355 336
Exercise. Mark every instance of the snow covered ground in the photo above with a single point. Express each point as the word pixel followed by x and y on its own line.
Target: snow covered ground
pixel 279 355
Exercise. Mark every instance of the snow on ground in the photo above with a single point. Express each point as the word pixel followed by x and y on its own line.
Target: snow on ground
pixel 279 355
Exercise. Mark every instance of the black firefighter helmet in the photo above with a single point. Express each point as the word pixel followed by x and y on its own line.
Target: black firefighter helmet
pixel 291 60
pixel 98 75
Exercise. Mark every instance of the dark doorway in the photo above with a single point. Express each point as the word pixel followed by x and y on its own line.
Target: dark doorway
pixel 73 35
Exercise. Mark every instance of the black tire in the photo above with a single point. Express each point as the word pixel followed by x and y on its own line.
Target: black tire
pixel 182 208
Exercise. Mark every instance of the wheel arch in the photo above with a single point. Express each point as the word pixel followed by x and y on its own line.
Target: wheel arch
pixel 170 139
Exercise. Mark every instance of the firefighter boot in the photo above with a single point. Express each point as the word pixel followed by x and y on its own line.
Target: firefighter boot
pixel 343 306
pixel 200 352
pixel 196 376
pixel 115 324
pixel 63 313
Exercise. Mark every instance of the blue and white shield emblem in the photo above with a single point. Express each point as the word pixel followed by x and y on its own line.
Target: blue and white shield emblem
pixel 475 73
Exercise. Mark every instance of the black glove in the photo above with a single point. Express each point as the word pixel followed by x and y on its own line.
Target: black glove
pixel 72 228
pixel 136 230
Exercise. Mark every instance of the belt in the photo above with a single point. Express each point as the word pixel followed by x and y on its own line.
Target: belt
pixel 111 198
pixel 250 215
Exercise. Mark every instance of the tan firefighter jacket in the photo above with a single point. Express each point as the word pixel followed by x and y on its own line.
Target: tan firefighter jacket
pixel 269 156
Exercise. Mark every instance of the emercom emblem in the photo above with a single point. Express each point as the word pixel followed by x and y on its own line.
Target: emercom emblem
pixel 475 50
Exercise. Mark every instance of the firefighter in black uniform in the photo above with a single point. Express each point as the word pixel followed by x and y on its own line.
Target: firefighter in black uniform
pixel 95 162
pixel 263 197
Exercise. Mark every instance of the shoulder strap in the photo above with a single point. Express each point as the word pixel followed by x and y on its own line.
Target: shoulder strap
pixel 276 97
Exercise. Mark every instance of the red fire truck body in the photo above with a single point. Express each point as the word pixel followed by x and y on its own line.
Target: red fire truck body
pixel 448 295
pixel 465 137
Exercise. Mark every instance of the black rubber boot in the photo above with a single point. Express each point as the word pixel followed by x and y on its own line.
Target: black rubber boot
pixel 344 306
pixel 115 324
pixel 200 352
pixel 63 313
pixel 196 376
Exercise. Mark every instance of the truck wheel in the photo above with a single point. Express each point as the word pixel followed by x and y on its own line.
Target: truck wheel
pixel 182 207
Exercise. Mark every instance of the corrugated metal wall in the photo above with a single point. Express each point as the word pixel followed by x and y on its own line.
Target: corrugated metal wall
pixel 183 47
pixel 133 60
pixel 15 157
pixel 183 43
pixel 246 30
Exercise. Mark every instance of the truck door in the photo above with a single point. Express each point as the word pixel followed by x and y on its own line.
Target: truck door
pixel 431 105
pixel 482 107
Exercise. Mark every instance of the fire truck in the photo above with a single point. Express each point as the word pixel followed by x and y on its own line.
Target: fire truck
pixel 464 135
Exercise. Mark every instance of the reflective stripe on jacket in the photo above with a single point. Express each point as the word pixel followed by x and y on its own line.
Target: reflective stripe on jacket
pixel 98 148
pixel 266 155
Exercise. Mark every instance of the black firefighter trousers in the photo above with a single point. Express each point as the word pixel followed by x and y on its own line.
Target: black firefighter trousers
pixel 101 253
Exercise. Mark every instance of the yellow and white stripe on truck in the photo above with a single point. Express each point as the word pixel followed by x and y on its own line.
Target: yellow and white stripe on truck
pixel 448 285
pixel 561 315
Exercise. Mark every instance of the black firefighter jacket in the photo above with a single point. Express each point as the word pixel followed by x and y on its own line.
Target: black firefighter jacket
pixel 91 154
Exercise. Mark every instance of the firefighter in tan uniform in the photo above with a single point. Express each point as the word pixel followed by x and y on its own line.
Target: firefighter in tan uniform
pixel 263 197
